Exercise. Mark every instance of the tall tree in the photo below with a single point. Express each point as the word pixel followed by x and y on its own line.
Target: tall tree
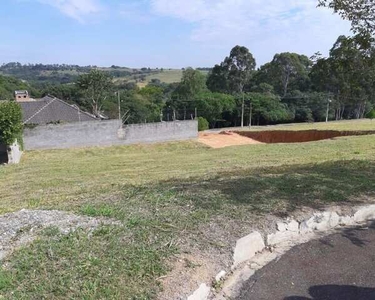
pixel 233 74
pixel 95 85
pixel 361 13
pixel 349 75
pixel 193 82
pixel 217 80
pixel 213 105
pixel 286 70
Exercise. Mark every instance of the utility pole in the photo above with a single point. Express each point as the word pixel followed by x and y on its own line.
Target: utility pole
pixel 327 115
pixel 196 113
pixel 119 107
pixel 251 114
pixel 242 109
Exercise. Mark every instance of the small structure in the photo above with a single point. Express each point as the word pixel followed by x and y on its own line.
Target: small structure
pixel 21 96
pixel 49 109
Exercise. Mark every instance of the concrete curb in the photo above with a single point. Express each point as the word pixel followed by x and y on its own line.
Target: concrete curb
pixel 254 251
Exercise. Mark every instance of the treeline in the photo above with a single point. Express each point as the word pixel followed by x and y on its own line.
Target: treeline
pixel 16 67
pixel 290 88
pixel 42 75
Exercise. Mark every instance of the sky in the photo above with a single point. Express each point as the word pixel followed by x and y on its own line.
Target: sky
pixel 162 33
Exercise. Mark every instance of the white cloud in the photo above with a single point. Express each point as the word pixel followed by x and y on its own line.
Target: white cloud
pixel 283 25
pixel 76 9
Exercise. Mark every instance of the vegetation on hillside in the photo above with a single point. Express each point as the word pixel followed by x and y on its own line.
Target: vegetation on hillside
pixel 42 76
pixel 10 84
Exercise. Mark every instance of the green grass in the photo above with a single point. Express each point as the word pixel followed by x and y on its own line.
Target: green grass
pixel 167 76
pixel 105 265
pixel 164 195
pixel 350 125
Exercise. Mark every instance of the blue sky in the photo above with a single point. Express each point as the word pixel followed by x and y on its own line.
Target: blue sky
pixel 161 33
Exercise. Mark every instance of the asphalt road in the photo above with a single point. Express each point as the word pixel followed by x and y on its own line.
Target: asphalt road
pixel 337 267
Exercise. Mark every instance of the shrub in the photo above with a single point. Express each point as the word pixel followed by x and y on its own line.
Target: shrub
pixel 202 124
pixel 371 114
pixel 10 123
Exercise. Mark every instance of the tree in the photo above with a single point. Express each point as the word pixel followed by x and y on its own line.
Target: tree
pixel 192 83
pixel 95 85
pixel 10 123
pixel 213 105
pixel 361 13
pixel 371 114
pixel 217 80
pixel 286 72
pixel 268 108
pixel 233 74
pixel 348 75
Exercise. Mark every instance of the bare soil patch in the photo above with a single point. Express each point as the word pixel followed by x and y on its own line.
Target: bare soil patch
pixel 225 139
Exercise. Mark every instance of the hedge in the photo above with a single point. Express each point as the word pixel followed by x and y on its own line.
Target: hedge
pixel 202 124
pixel 371 114
pixel 10 123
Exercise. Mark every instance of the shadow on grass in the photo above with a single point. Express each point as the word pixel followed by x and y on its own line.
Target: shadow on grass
pixel 282 190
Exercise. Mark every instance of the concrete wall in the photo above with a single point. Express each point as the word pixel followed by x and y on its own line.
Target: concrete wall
pixel 106 133
pixel 10 154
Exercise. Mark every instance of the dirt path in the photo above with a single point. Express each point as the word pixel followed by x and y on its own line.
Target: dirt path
pixel 225 139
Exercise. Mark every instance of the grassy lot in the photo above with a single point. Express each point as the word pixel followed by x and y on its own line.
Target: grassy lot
pixel 167 76
pixel 164 193
pixel 365 124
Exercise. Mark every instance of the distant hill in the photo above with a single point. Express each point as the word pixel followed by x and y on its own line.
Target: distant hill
pixel 40 74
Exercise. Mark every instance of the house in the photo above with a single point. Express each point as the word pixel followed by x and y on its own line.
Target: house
pixel 21 96
pixel 50 109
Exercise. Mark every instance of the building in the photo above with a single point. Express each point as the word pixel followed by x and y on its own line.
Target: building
pixel 50 110
pixel 21 96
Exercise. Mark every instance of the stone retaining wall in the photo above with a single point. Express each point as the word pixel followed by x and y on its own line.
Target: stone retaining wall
pixel 106 133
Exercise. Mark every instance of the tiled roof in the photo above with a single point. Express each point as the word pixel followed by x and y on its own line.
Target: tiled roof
pixel 50 109
pixel 23 92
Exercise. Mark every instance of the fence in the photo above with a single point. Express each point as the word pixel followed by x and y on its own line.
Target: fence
pixel 106 133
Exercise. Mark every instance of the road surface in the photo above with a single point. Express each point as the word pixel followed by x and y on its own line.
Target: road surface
pixel 337 267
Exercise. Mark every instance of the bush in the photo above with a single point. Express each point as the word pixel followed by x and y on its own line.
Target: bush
pixel 10 123
pixel 202 124
pixel 371 114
